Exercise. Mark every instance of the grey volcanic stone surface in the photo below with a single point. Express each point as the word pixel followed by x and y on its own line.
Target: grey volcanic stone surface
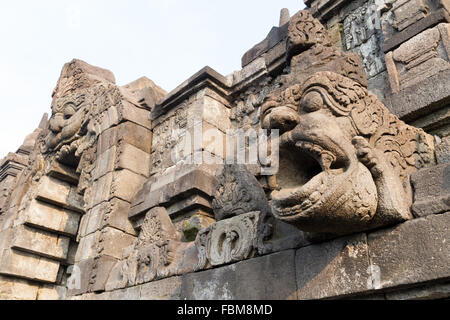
pixel 270 277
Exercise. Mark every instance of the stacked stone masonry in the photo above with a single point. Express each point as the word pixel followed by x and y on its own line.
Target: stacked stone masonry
pixel 130 192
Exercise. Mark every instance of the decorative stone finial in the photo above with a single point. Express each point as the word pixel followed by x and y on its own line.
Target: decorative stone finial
pixel 285 16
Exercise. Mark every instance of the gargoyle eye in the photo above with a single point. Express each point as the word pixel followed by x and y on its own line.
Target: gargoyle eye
pixel 69 111
pixel 312 101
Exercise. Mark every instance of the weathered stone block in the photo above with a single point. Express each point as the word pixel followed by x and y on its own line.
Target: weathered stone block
pixel 431 190
pixel 275 36
pixel 209 108
pixel 413 252
pixel 118 216
pixel 202 137
pixel 122 156
pixel 117 278
pixel 87 246
pixel 270 277
pixel 25 265
pixel 435 123
pixel 101 269
pixel 180 183
pixel 105 163
pixel 134 159
pixel 275 57
pixel 103 190
pixel 407 12
pixel 253 70
pixel 443 151
pixel 205 78
pixel 425 292
pixel 93 219
pixel 131 293
pixel 65 173
pixel 52 293
pixel 107 119
pixel 379 86
pixel 59 193
pixel 93 296
pixel 190 203
pixel 333 269
pixel 16 289
pixel 112 213
pixel 419 58
pixel 126 132
pixel 40 242
pixel 53 218
pixel 73 246
pixel 78 282
pixel 323 9
pixel 113 242
pixel 428 95
pixel 285 237
pixel 145 91
pixel 130 112
pixel 440 15
pixel 166 289
pixel 126 184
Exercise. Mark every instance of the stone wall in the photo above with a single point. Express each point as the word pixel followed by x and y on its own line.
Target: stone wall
pixel 129 192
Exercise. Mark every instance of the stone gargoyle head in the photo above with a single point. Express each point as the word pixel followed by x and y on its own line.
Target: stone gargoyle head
pixel 345 159
pixel 73 102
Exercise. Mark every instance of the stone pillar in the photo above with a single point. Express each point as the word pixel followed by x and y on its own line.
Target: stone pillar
pixel 189 143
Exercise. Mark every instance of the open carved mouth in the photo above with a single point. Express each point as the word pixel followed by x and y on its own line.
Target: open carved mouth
pixel 308 175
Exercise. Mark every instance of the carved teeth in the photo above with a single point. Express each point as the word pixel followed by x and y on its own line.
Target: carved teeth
pixel 306 204
pixel 324 157
pixel 315 196
pixel 326 160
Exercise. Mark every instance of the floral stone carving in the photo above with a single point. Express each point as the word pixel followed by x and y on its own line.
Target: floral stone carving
pixel 229 240
pixel 239 192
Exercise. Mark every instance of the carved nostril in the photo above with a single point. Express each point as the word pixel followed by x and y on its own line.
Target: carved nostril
pixel 56 124
pixel 283 119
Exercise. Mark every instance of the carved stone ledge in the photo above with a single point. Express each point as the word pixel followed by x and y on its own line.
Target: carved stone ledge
pixel 176 190
pixel 431 20
pixel 421 99
pixel 275 36
pixel 431 190
pixel 206 77
pixel 323 9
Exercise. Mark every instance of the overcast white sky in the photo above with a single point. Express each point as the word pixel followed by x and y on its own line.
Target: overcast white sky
pixel 167 41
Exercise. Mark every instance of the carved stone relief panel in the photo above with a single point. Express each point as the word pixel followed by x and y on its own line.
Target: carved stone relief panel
pixel 362 34
pixel 167 135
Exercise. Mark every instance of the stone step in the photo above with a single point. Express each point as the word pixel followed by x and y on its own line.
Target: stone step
pixel 64 173
pixel 41 243
pixel 59 193
pixel 51 218
pixel 28 266
pixel 15 289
